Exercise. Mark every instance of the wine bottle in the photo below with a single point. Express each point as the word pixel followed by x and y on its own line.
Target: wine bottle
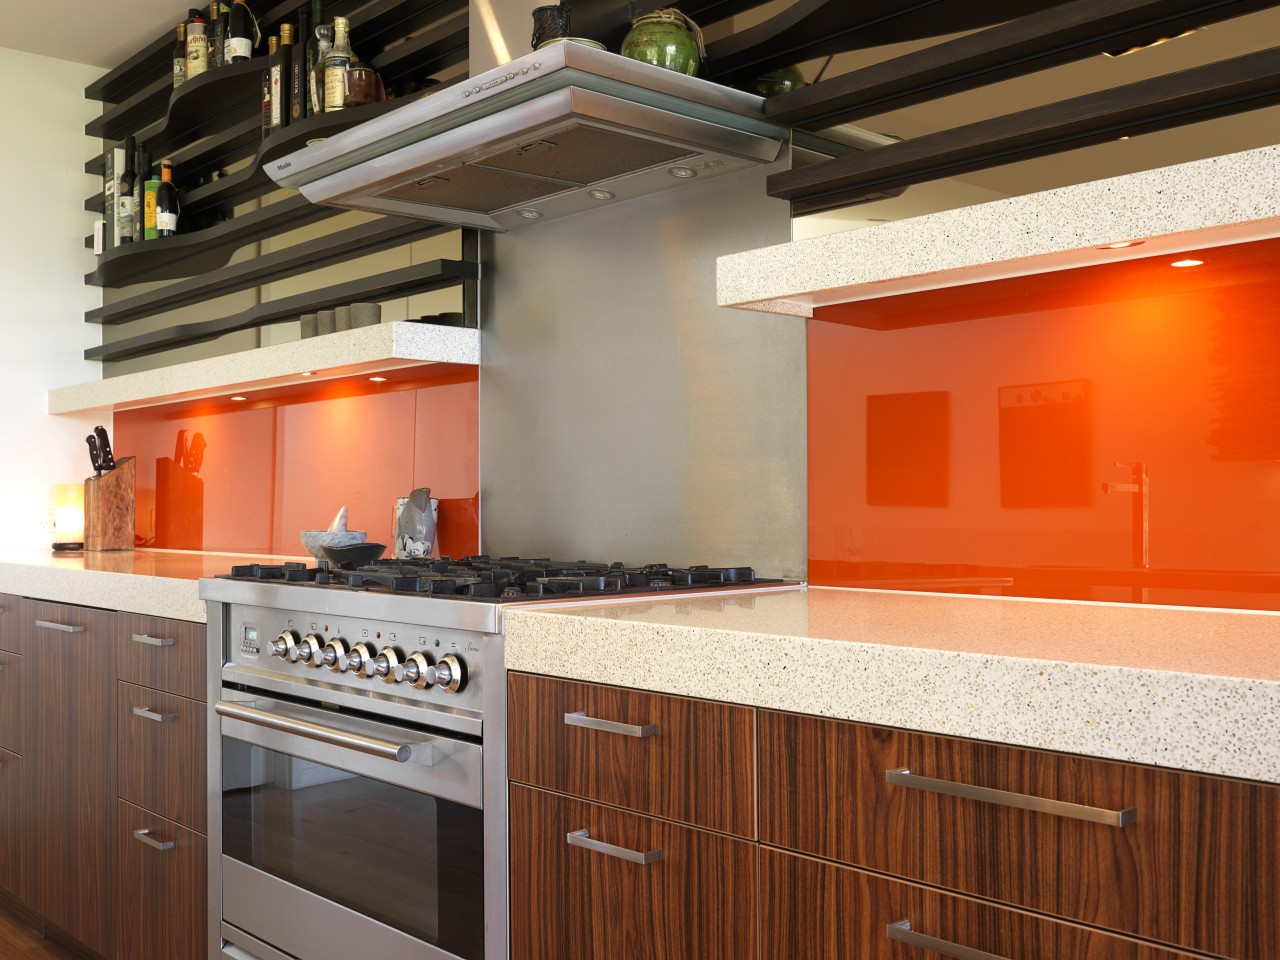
pixel 197 46
pixel 124 193
pixel 149 228
pixel 272 44
pixel 217 34
pixel 335 66
pixel 280 66
pixel 324 43
pixel 166 212
pixel 298 70
pixel 243 34
pixel 315 55
pixel 139 193
pixel 180 56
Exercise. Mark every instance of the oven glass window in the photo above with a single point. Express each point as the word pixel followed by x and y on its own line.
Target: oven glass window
pixel 409 860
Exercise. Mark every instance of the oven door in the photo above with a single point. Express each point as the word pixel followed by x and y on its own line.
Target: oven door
pixel 346 837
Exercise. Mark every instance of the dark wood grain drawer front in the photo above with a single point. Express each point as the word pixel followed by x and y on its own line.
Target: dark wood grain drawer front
pixel 1198 866
pixel 162 754
pixel 682 759
pixel 580 891
pixel 163 912
pixel 12 680
pixel 163 654
pixel 12 826
pixel 10 623
pixel 819 911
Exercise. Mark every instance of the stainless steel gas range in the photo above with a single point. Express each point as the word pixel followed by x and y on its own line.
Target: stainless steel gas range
pixel 357 751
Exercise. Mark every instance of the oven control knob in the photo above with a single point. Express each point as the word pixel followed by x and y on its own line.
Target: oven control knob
pixel 282 645
pixel 356 659
pixel 308 651
pixel 333 653
pixel 385 663
pixel 416 670
pixel 451 673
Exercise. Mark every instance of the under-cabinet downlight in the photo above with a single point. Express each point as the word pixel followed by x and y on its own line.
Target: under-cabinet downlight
pixel 531 214
pixel 1122 245
pixel 603 194
pixel 1187 263
pixel 237 399
pixel 684 173
pixel 377 379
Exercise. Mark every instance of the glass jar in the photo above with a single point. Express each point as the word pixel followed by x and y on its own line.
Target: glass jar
pixel 668 39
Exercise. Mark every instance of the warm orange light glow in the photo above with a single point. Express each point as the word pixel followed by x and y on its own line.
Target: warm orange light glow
pixel 68 513
pixel 1187 263
pixel 377 379
pixel 239 398
pixel 309 373
pixel 1122 245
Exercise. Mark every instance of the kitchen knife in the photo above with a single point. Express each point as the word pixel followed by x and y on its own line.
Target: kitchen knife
pixel 196 456
pixel 104 448
pixel 95 458
pixel 180 449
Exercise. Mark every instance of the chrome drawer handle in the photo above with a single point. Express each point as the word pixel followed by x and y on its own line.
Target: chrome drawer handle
pixel 903 777
pixel 148 714
pixel 902 932
pixel 153 641
pixel 145 837
pixel 582 838
pixel 415 751
pixel 65 628
pixel 580 719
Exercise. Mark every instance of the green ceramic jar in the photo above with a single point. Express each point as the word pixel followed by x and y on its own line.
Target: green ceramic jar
pixel 665 38
pixel 779 81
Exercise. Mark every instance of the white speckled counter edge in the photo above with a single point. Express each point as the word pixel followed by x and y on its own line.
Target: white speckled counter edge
pixel 1207 724
pixel 171 597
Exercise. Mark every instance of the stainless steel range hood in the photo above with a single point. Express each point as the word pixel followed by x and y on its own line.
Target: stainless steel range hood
pixel 553 133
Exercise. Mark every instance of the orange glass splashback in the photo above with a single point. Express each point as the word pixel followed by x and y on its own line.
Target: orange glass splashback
pixel 1106 433
pixel 246 476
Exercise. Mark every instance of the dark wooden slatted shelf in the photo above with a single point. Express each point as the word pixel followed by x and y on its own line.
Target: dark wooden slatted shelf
pixel 434 275
pixel 379 24
pixel 136 72
pixel 189 254
pixel 434 49
pixel 380 234
pixel 96 203
pixel 144 107
pixel 1215 90
pixel 1038 41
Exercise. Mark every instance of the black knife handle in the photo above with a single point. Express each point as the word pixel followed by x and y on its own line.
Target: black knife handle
pixel 104 448
pixel 95 458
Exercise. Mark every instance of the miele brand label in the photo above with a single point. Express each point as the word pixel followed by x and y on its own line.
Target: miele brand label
pixel 250 649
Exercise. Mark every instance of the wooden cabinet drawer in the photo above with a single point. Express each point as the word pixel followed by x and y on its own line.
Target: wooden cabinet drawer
pixel 10 623
pixel 1198 868
pixel 12 680
pixel 696 901
pixel 163 654
pixel 673 757
pixel 161 746
pixel 819 911
pixel 163 908
pixel 12 826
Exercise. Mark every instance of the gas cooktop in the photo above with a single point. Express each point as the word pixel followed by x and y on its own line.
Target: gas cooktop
pixel 500 579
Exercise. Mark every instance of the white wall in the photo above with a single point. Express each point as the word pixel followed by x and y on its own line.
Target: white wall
pixel 42 266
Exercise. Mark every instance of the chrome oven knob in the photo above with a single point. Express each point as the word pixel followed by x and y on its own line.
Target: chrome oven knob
pixel 385 663
pixel 451 674
pixel 282 645
pixel 333 653
pixel 357 659
pixel 308 651
pixel 416 670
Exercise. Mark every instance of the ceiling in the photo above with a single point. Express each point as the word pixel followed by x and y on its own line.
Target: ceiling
pixel 42 28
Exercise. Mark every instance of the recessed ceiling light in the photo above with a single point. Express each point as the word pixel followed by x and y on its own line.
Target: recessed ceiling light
pixel 603 194
pixel 684 173
pixel 1187 263
pixel 377 379
pixel 308 373
pixel 531 214
pixel 239 398
pixel 1122 245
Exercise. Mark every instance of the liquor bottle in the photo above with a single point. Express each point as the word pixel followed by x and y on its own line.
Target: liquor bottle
pixel 197 46
pixel 298 70
pixel 217 35
pixel 149 228
pixel 315 55
pixel 272 44
pixel 323 44
pixel 243 34
pixel 166 202
pixel 335 66
pixel 139 193
pixel 280 66
pixel 124 193
pixel 180 56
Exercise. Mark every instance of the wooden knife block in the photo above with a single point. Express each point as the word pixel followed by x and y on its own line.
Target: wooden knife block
pixel 109 508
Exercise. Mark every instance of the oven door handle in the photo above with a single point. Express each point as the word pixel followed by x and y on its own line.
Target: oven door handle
pixel 417 751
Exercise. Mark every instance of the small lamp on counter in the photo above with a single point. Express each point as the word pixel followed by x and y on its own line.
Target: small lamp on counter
pixel 68 517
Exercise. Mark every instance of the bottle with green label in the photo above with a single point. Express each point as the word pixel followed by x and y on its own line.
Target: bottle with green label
pixel 149 228
pixel 180 56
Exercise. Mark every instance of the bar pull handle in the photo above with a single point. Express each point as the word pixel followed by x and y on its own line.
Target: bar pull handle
pixel 580 719
pixel 903 777
pixel 148 714
pixel 153 641
pixel 65 628
pixel 145 837
pixel 902 932
pixel 582 838
pixel 416 751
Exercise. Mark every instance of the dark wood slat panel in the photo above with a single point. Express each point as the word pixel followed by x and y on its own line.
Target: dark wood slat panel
pixel 162 763
pixel 178 667
pixel 698 768
pixel 13 828
pixel 164 913
pixel 819 911
pixel 434 275
pixel 95 203
pixel 367 238
pixel 10 623
pixel 189 254
pixel 696 903
pixel 1197 869
pixel 138 71
pixel 145 106
pixel 817 28
pixel 1215 90
pixel 382 22
pixel 432 50
pixel 209 154
pixel 1034 42
pixel 13 679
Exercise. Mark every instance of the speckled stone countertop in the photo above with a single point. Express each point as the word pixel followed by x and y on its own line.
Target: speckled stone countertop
pixel 158 583
pixel 1185 688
